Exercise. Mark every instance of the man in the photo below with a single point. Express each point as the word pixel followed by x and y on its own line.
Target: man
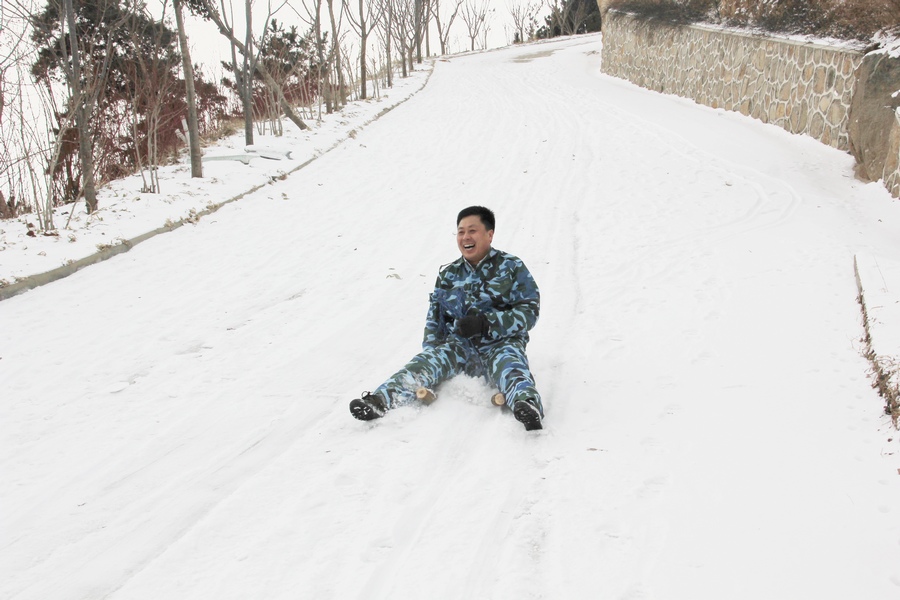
pixel 481 310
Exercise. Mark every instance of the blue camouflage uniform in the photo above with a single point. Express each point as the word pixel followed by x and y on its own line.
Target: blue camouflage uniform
pixel 501 288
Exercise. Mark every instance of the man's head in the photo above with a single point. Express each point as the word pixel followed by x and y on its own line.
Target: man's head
pixel 474 233
pixel 484 214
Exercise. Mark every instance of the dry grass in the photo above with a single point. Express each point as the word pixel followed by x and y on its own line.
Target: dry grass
pixel 844 19
pixel 886 375
pixel 885 372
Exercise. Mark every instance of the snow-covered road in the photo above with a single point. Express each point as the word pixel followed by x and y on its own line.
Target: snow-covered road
pixel 175 424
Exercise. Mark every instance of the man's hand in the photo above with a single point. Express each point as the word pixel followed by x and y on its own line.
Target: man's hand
pixel 473 325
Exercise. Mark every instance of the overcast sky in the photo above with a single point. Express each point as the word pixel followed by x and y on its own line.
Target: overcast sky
pixel 209 47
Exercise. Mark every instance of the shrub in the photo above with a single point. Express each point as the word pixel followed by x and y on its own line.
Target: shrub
pixel 862 20
pixel 670 11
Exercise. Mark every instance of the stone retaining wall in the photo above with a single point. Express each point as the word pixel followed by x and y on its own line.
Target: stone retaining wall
pixel 892 164
pixel 805 88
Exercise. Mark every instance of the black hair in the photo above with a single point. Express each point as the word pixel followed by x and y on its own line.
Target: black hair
pixel 485 214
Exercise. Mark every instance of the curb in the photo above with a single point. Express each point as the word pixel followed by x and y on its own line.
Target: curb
pixel 32 281
pixel 885 368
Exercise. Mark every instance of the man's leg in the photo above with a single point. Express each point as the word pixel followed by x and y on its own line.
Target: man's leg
pixel 507 366
pixel 426 369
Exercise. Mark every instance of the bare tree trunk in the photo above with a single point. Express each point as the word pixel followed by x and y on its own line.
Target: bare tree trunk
pixel 388 32
pixel 247 74
pixel 444 32
pixel 153 150
pixel 403 72
pixel 363 25
pixel 82 115
pixel 243 82
pixel 474 15
pixel 259 65
pixel 336 55
pixel 417 27
pixel 429 13
pixel 323 67
pixel 522 15
pixel 363 39
pixel 193 122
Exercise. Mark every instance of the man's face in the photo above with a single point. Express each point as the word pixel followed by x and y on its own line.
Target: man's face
pixel 473 239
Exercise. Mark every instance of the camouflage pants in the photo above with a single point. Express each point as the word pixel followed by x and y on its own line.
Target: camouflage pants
pixel 503 364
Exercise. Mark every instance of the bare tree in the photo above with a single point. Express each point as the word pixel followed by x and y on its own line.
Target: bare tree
pixel 313 17
pixel 474 15
pixel 25 184
pixel 84 141
pixel 402 11
pixel 347 66
pixel 444 30
pixel 523 16
pixel 188 67
pixel 424 12
pixel 212 13
pixel 385 33
pixel 289 56
pixel 429 15
pixel 418 17
pixel 406 32
pixel 242 70
pixel 486 28
pixel 335 59
pixel 86 82
pixel 275 58
pixel 364 20
pixel 12 51
pixel 30 155
pixel 324 68
pixel 152 84
pixel 248 67
pixel 83 108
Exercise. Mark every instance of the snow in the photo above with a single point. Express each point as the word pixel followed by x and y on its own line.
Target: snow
pixel 891 46
pixel 175 419
pixel 231 169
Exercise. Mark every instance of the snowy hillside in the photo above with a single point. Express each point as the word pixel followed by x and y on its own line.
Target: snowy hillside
pixel 175 422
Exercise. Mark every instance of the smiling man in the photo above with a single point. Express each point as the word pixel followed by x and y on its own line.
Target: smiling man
pixel 483 305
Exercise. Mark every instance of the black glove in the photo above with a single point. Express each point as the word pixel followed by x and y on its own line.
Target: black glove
pixel 472 325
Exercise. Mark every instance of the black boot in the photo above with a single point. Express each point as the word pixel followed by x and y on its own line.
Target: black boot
pixel 527 413
pixel 369 407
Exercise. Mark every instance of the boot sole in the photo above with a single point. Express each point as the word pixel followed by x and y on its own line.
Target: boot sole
pixel 363 411
pixel 528 416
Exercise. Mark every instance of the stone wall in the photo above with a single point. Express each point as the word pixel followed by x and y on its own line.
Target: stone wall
pixel 892 162
pixel 802 87
pixel 875 120
pixel 836 95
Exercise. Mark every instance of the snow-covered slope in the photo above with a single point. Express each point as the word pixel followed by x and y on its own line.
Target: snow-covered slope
pixel 175 423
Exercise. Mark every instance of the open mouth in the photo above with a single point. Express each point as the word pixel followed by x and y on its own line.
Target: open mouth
pixel 468 246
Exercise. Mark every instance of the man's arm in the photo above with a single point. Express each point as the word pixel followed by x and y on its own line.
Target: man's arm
pixel 442 309
pixel 434 333
pixel 521 308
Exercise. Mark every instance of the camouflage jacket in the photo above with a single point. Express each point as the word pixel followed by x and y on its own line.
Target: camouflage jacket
pixel 500 287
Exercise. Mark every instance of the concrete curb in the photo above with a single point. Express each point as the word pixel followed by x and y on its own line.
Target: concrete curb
pixel 32 281
pixel 878 315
